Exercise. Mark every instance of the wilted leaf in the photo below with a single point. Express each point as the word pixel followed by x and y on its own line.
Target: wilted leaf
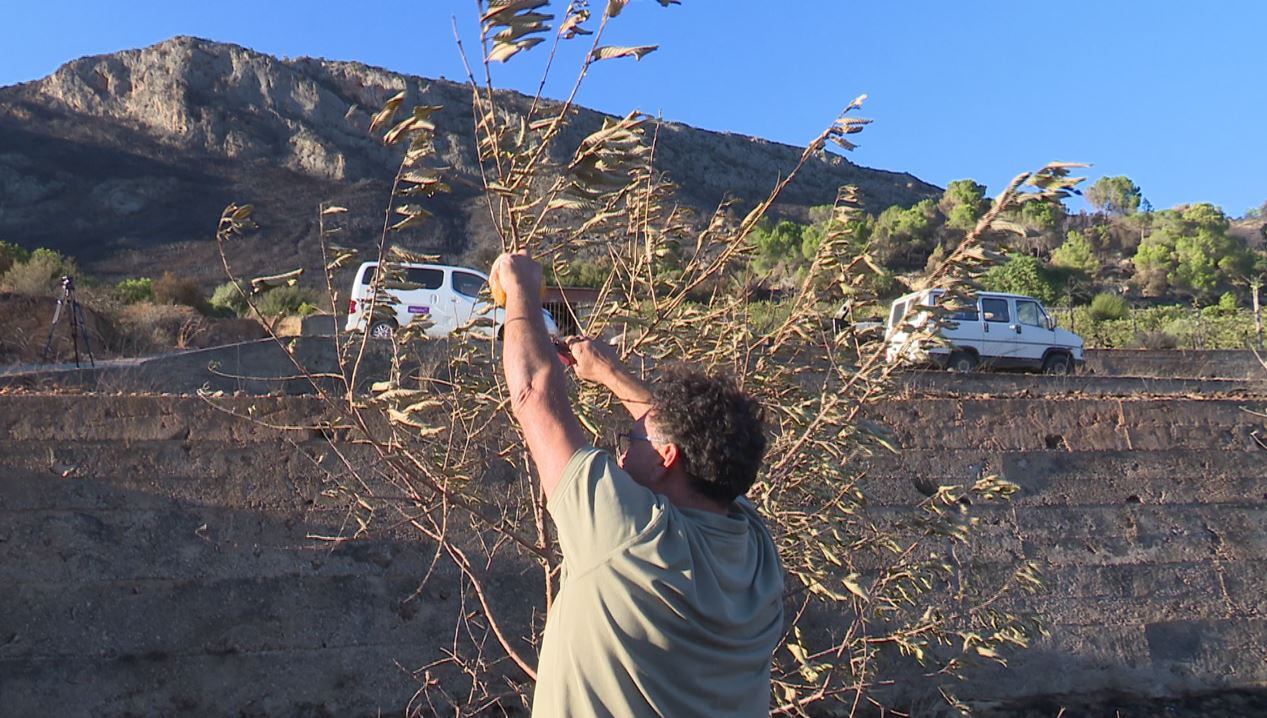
pixel 406 255
pixel 612 52
pixel 571 27
pixel 342 257
pixel 414 216
pixel 385 115
pixel 850 582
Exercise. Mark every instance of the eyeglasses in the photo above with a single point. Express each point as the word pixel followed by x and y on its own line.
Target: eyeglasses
pixel 623 440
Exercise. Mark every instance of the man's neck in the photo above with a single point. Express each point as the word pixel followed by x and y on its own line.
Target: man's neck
pixel 684 497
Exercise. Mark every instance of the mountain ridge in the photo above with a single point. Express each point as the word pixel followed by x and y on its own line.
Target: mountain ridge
pixel 125 160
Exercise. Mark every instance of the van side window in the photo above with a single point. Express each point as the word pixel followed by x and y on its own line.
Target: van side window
pixel 1028 313
pixel 468 284
pixel 428 278
pixel 964 314
pixel 995 310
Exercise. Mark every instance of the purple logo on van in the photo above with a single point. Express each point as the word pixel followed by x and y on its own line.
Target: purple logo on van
pixel 419 310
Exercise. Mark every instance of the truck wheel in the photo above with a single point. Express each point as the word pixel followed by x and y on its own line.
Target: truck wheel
pixel 1058 364
pixel 961 361
pixel 382 330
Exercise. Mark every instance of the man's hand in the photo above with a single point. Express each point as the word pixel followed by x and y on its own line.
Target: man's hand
pixel 595 361
pixel 598 362
pixel 516 275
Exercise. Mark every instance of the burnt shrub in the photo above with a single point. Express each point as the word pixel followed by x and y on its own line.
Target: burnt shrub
pixel 171 289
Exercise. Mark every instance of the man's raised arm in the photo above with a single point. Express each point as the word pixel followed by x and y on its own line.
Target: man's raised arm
pixel 534 373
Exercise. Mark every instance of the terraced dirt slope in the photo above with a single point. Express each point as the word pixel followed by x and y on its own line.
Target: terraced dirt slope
pixel 165 557
pixel 1148 514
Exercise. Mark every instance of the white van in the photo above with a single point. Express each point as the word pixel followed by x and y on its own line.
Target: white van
pixel 449 296
pixel 1002 331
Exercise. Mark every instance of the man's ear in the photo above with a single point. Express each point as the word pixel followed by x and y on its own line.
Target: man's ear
pixel 669 453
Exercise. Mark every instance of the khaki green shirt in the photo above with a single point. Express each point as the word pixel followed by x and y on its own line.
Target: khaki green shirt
pixel 662 611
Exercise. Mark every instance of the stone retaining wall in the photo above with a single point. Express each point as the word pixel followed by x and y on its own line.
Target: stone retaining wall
pixel 161 556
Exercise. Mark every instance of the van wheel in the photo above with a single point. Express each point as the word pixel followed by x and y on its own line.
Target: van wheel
pixel 1058 364
pixel 962 361
pixel 382 330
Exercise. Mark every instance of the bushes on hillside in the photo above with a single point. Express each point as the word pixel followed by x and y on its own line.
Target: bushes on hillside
pixel 229 299
pixel 1107 306
pixel 131 291
pixel 281 301
pixel 1163 327
pixel 285 301
pixel 171 289
pixel 147 328
pixel 38 273
pixel 1022 274
pixel 11 254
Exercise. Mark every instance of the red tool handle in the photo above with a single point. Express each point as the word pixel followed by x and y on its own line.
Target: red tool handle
pixel 565 354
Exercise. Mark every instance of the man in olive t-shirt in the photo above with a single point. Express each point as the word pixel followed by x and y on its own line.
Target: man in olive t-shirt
pixel 671 598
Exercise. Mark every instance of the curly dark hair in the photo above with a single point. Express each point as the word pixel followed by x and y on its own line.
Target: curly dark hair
pixel 718 428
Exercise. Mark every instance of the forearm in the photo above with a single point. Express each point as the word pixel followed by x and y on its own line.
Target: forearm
pixel 538 392
pixel 527 351
pixel 632 393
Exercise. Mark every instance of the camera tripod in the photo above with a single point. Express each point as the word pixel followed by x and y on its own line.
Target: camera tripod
pixel 78 328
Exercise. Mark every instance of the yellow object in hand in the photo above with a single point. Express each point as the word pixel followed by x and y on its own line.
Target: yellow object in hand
pixel 499 294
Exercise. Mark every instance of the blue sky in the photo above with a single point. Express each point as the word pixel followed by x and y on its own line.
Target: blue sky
pixel 1172 94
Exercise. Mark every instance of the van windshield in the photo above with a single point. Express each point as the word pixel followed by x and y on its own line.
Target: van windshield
pixel 895 316
pixel 1029 313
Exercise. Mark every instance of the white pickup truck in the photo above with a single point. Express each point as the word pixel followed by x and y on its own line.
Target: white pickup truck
pixel 999 331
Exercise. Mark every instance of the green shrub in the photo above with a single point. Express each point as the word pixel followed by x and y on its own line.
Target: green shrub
pixel 1182 326
pixel 1107 306
pixel 11 254
pixel 229 299
pixel 39 273
pixel 1022 274
pixel 1076 255
pixel 284 301
pixel 766 316
pixel 131 291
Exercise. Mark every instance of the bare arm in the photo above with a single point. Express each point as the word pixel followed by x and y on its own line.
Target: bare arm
pixel 534 374
pixel 596 362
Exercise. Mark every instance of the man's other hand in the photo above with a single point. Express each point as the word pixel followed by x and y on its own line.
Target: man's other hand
pixel 595 361
pixel 516 274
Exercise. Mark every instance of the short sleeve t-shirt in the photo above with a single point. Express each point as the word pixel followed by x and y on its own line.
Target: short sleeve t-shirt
pixel 662 611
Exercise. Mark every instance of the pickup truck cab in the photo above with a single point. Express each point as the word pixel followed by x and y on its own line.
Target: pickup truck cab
pixel 448 296
pixel 1000 331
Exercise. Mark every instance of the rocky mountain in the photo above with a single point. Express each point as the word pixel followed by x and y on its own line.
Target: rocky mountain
pixel 126 160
